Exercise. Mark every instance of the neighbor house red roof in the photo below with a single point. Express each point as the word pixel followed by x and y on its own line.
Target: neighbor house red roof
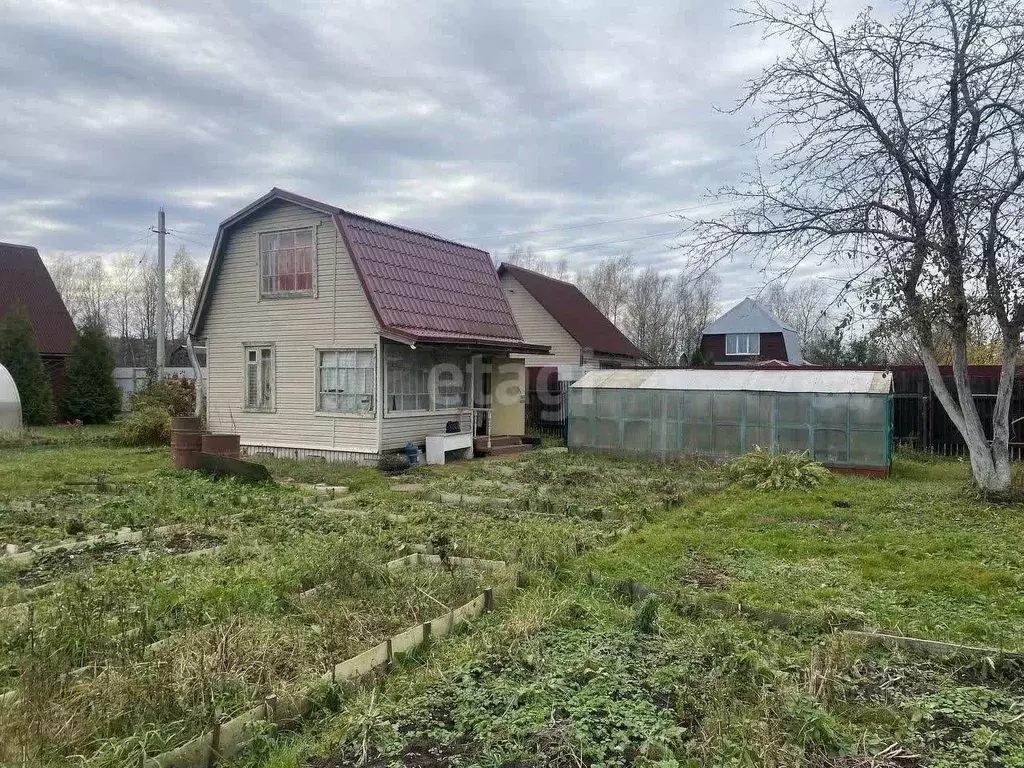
pixel 574 312
pixel 422 287
pixel 24 279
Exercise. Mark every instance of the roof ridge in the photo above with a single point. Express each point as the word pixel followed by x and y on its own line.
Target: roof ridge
pixel 510 265
pixel 410 230
pixel 344 211
pixel 19 245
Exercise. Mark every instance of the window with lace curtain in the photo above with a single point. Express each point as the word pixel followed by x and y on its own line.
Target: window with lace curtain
pixel 346 381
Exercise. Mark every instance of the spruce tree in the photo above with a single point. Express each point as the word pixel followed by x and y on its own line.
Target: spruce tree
pixel 20 356
pixel 92 394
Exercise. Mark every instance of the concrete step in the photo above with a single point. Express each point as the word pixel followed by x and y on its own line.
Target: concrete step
pixel 503 450
pixel 480 443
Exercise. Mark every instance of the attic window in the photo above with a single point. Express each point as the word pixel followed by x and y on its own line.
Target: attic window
pixel 287 263
pixel 743 344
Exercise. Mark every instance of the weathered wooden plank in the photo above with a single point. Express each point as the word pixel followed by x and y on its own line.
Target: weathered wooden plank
pixel 934 647
pixel 360 665
pixel 407 640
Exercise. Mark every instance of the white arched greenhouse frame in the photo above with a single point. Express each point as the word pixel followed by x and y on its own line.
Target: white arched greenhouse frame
pixel 10 402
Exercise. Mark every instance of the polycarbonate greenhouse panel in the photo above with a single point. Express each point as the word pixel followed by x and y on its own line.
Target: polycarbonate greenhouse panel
pixel 840 430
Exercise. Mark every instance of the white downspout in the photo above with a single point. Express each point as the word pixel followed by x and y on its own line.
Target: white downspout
pixel 200 384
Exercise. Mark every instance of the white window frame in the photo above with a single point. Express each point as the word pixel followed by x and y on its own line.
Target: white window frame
pixel 432 384
pixel 248 347
pixel 304 293
pixel 747 349
pixel 318 410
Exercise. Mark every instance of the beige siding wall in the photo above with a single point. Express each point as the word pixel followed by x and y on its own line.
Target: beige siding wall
pixel 339 316
pixel 539 327
pixel 399 430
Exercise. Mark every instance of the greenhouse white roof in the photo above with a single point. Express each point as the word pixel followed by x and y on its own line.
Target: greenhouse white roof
pixel 731 380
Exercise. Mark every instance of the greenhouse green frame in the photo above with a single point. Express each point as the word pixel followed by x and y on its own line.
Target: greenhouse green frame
pixel 840 429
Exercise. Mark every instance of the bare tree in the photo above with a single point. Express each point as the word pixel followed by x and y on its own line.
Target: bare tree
pixel 805 306
pixel 148 290
pixel 695 306
pixel 902 155
pixel 123 276
pixel 93 290
pixel 649 315
pixel 608 285
pixel 524 256
pixel 184 279
pixel 65 273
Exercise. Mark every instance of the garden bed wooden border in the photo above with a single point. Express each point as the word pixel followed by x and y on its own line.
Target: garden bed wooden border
pixel 854 630
pixel 228 738
pixel 123 536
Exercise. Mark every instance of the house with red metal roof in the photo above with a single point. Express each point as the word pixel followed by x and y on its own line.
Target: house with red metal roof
pixel 25 280
pixel 557 313
pixel 334 335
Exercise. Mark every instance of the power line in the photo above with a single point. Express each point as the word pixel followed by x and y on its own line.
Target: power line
pixel 133 242
pixel 604 242
pixel 174 234
pixel 593 223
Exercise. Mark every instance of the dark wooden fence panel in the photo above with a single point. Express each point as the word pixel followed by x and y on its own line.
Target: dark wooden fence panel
pixel 547 410
pixel 920 421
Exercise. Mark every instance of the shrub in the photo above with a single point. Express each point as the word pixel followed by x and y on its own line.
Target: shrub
pixel 176 396
pixel 148 425
pixel 765 471
pixel 92 396
pixel 20 356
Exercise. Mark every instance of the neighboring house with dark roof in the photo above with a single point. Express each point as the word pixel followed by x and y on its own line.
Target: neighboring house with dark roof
pixel 748 333
pixel 25 280
pixel 556 313
pixel 336 335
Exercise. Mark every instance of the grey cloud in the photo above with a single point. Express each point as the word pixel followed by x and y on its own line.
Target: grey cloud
pixel 473 120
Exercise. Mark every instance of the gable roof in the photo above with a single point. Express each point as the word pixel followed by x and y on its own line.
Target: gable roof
pixel 574 312
pixel 24 279
pixel 750 317
pixel 421 287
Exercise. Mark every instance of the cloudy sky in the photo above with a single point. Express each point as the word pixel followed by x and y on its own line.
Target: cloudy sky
pixel 513 123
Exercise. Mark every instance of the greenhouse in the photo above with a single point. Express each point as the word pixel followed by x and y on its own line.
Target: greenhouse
pixel 841 418
pixel 10 402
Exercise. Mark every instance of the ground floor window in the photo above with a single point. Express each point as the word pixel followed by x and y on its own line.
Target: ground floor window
pixel 425 379
pixel 346 380
pixel 259 378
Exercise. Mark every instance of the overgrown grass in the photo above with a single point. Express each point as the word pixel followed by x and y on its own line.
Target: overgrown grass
pixel 230 626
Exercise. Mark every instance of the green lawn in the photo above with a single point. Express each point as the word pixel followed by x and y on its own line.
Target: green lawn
pixel 918 554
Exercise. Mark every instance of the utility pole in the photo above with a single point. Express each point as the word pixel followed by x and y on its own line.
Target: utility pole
pixel 161 296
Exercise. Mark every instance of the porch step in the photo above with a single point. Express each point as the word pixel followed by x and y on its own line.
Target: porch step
pixel 480 443
pixel 504 450
pixel 501 444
